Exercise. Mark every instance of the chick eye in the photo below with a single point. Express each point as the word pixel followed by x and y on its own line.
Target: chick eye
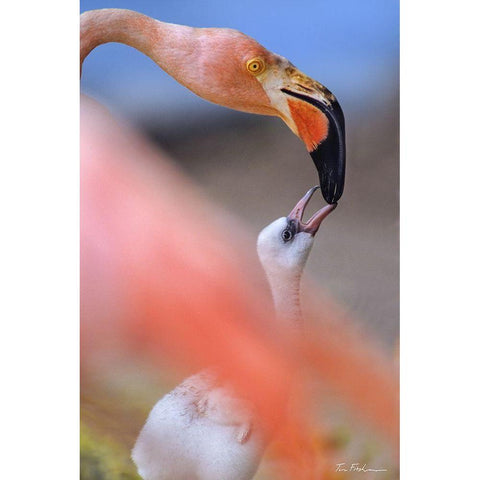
pixel 287 235
pixel 256 66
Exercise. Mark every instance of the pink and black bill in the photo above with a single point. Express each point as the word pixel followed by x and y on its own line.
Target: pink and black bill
pixel 329 154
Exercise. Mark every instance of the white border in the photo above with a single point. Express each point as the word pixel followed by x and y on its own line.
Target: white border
pixel 439 239
pixel 39 192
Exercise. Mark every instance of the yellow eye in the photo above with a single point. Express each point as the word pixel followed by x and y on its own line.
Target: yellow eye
pixel 256 66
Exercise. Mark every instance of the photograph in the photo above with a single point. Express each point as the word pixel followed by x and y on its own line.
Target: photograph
pixel 239 240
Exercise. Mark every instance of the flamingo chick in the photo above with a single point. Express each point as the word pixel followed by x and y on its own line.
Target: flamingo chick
pixel 201 430
pixel 231 69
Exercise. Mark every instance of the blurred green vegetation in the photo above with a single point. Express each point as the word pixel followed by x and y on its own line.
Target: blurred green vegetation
pixel 101 458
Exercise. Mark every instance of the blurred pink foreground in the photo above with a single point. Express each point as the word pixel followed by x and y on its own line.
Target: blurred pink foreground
pixel 167 275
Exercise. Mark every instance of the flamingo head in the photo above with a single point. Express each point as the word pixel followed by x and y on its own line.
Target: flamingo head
pixel 237 72
pixel 312 112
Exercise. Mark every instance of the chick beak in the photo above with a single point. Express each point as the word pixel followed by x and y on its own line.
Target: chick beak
pixel 313 224
pixel 321 125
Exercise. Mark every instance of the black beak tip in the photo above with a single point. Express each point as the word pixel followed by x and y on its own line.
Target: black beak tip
pixel 331 172
pixel 329 156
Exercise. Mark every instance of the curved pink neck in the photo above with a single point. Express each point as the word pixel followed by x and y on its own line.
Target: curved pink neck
pixel 208 61
pixel 158 40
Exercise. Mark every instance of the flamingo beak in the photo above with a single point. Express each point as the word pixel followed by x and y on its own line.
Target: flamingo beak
pixel 320 123
pixel 313 224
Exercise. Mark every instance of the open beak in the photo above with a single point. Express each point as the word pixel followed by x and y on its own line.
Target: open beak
pixel 320 123
pixel 313 224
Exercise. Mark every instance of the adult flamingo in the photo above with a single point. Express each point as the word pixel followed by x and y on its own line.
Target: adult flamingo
pixel 231 69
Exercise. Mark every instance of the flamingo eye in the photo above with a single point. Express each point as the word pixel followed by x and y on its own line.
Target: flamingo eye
pixel 256 66
pixel 287 235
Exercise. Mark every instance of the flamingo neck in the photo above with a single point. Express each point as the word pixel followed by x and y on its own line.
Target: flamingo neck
pixel 285 289
pixel 168 45
pixel 207 61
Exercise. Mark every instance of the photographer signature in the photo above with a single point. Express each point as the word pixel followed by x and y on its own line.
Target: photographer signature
pixel 357 467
